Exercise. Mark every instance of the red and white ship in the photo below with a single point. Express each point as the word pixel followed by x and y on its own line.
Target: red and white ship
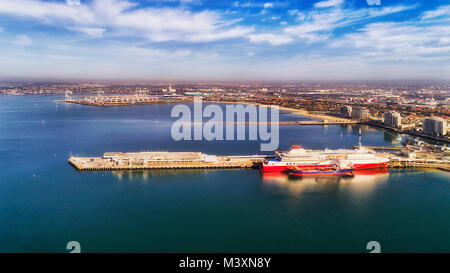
pixel 297 157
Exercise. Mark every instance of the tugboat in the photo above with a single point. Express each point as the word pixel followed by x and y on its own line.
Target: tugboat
pixel 336 168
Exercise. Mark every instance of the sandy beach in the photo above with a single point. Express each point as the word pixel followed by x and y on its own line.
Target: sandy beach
pixel 300 112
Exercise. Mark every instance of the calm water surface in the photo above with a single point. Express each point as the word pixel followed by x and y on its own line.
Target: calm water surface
pixel 44 202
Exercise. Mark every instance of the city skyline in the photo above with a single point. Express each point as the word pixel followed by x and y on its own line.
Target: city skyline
pixel 224 40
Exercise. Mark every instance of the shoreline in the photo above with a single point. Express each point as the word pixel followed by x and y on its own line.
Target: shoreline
pixel 294 111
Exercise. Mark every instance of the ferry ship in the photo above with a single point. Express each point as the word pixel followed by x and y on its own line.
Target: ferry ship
pixel 298 157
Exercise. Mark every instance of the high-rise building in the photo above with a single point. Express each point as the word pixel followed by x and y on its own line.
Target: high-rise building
pixel 393 119
pixel 346 111
pixel 435 126
pixel 360 113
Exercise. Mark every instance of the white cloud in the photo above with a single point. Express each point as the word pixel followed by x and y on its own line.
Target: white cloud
pixel 225 34
pixel 268 5
pixel 48 12
pixel 318 25
pixel 399 42
pixel 389 10
pixel 155 24
pixel 328 3
pixel 441 11
pixel 318 22
pixel 155 53
pixel 272 39
pixel 123 61
pixel 192 2
pixel 73 2
pixel 295 12
pixel 414 46
pixel 301 16
pixel 22 40
pixel 91 31
pixel 444 40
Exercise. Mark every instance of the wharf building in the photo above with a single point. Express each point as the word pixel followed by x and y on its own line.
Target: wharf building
pixel 147 157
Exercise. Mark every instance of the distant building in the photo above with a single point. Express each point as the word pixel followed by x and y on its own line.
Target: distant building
pixel 170 89
pixel 360 113
pixel 435 126
pixel 393 119
pixel 346 111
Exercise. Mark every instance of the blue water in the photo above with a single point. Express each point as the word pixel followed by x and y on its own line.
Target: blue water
pixel 45 203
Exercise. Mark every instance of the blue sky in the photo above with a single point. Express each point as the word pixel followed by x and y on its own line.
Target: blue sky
pixel 225 40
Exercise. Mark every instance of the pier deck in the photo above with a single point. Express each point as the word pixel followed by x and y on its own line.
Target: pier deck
pixel 400 162
pixel 105 103
pixel 385 148
pixel 99 163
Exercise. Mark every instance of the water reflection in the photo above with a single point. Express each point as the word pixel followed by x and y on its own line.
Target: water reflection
pixel 364 181
pixel 145 174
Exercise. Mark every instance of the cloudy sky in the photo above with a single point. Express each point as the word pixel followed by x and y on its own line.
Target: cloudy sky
pixel 225 40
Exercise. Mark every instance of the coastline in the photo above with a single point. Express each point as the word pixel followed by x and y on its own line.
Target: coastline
pixel 299 112
pixel 306 113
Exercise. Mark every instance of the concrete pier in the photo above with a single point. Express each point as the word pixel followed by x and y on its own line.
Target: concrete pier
pixel 118 102
pixel 162 160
